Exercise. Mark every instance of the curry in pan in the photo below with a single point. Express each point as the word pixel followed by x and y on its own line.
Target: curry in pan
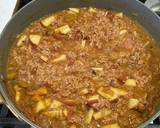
pixel 85 68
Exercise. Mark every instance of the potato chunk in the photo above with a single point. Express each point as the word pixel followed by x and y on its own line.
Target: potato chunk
pixel 54 114
pixel 130 82
pixel 51 114
pixel 55 104
pixel 83 43
pixel 89 115
pixel 60 58
pixel 35 39
pixel 40 106
pixel 133 103
pixel 48 21
pixel 107 93
pixel 44 58
pixel 76 10
pixel 119 92
pixel 97 69
pixel 119 15
pixel 21 40
pixel 135 33
pixel 101 114
pixel 58 114
pixel 48 101
pixel 91 9
pixel 63 29
pixel 124 31
pixel 17 93
pixel 37 98
pixel 65 112
pixel 84 91
pixel 115 125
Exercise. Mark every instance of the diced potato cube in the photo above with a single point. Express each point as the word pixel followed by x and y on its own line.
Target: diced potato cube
pixel 135 33
pixel 94 97
pixel 44 58
pixel 146 44
pixel 36 98
pixel 83 43
pixel 58 114
pixel 35 39
pixel 76 10
pixel 18 95
pixel 60 58
pixel 119 92
pixel 55 104
pixel 48 101
pixel 107 93
pixel 97 69
pixel 120 15
pixel 21 40
pixel 65 112
pixel 89 116
pixel 39 91
pixel 101 114
pixel 40 106
pixel 115 125
pixel 130 82
pixel 133 103
pixel 63 29
pixel 48 21
pixel 84 91
pixel 51 114
pixel 92 9
pixel 124 31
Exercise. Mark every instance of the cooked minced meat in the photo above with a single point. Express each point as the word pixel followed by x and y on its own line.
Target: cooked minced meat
pixel 85 68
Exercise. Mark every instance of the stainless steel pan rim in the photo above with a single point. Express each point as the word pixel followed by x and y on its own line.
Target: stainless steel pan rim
pixel 8 101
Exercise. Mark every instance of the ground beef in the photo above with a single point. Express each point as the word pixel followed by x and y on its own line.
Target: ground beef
pixel 84 68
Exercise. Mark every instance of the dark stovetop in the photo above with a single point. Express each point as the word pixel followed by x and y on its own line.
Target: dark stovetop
pixel 8 120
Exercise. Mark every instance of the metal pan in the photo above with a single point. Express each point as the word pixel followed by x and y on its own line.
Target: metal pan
pixel 38 8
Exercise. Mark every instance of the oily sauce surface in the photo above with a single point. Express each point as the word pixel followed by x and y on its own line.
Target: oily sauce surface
pixel 85 68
